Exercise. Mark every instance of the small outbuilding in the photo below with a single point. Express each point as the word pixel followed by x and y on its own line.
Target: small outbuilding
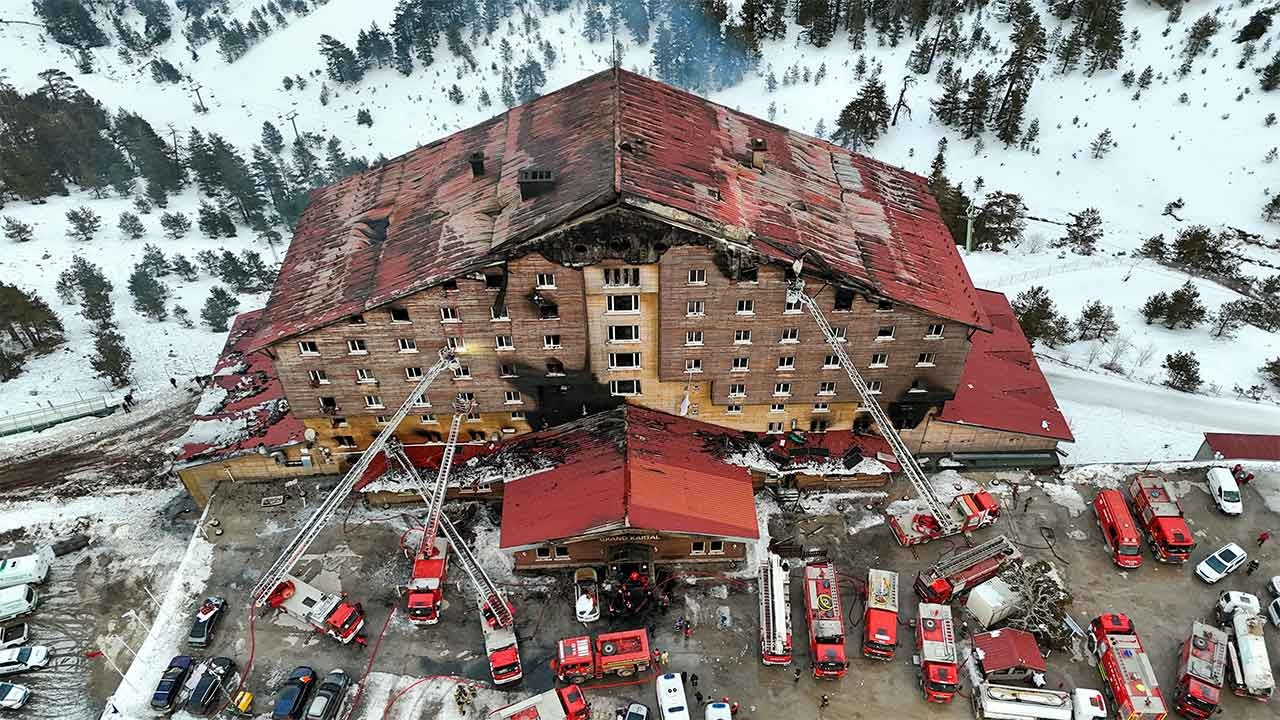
pixel 1239 446
pixel 1008 655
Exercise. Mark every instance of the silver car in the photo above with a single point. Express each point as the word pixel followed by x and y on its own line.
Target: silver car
pixel 16 660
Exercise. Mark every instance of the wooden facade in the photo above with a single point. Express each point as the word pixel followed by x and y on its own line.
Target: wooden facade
pixel 629 546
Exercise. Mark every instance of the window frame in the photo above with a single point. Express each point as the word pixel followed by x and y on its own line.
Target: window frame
pixel 733 409
pixel 408 319
pixel 693 366
pixel 365 376
pixel 318 377
pixel 512 397
pixel 412 376
pixel 544 281
pixel 777 407
pixel 745 306
pixel 616 385
pixel 695 308
pixel 742 337
pixel 552 342
pixel 611 300
pixel 827 388
pixel 357 346
pixel 789 336
pixel 822 406
pixel 614 357
pixel 623 274
pixel 782 389
pixel 449 314
pixel 737 390
pixel 745 365
pixel 774 428
pixel 612 335
pixel 931 335
pixel 504 343
pixel 882 337
pixel 927 359
pixel 407 345
pixel 831 362
pixel 462 372
pixel 697 276
pixel 374 402
pixel 314 350
pixel 786 363
pixel 693 338
pixel 883 362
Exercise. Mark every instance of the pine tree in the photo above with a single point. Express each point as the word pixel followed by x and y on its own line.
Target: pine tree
pixel 233 272
pixel 1183 371
pixel 1144 80
pixel 1106 30
pixel 149 294
pixel 28 320
pixel 1000 221
pixel 1070 49
pixel 70 23
pixel 1153 247
pixel 84 224
pixel 977 104
pixel 864 118
pixel 175 224
pixel 1271 209
pixel 1230 317
pixel 1185 307
pixel 272 140
pixel 1039 317
pixel 1083 232
pixel 1096 322
pixel 183 316
pixel 142 205
pixel 529 79
pixel 1271 74
pixel 1102 144
pixel 1271 371
pixel 1029 138
pixel 17 231
pixel 208 220
pixel 455 95
pixel 183 268
pixel 153 261
pixel 1199 35
pixel 218 308
pixel 594 27
pixel 507 91
pixel 635 17
pixel 209 261
pixel 1008 119
pixel 111 360
pixel 949 106
pixel 341 64
pixel 131 226
pixel 364 118
pixel 1155 307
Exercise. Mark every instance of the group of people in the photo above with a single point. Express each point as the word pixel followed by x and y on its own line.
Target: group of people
pixel 635 595
pixel 463 696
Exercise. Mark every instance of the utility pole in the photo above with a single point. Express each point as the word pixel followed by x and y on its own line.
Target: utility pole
pixel 177 161
pixel 196 89
pixel 971 212
pixel 290 117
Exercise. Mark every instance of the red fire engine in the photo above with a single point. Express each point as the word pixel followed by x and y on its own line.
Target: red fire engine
pixel 1201 671
pixel 936 645
pixel 1160 517
pixel 1125 668
pixel 329 613
pixel 566 703
pixel 620 653
pixel 956 573
pixel 825 619
pixel 775 612
pixel 881 620
pixel 966 513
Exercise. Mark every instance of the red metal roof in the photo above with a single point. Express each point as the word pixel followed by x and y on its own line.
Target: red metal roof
pixel 253 396
pixel 616 137
pixel 1002 387
pixel 1008 649
pixel 1238 446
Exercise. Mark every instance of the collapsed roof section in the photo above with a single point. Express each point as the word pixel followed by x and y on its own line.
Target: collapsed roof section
pixel 617 140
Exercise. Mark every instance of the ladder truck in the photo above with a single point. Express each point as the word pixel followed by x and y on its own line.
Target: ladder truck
pixel 278 588
pixel 956 573
pixel 966 513
pixel 775 612
pixel 1202 669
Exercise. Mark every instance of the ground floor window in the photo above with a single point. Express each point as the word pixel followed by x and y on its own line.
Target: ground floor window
pixel 717 547
pixel 699 548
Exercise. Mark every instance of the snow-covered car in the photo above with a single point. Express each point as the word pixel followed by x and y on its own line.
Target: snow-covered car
pixel 1273 612
pixel 166 692
pixel 329 696
pixel 1222 563
pixel 586 593
pixel 1225 491
pixel 206 622
pixel 1232 601
pixel 16 660
pixel 13 696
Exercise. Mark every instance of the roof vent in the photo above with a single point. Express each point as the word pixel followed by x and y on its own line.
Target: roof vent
pixel 477 163
pixel 758 147
pixel 534 182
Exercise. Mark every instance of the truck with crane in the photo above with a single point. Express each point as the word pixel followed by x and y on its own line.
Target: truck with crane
pixel 939 673
pixel 566 703
pixel 960 571
pixel 880 637
pixel 1129 679
pixel 1249 667
pixel 825 619
pixel 1202 669
pixel 1161 519
pixel 775 612
pixel 624 654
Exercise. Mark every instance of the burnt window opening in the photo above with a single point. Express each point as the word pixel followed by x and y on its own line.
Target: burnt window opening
pixel 884 306
pixel 399 315
pixel 372 230
pixel 476 160
pixel 818 425
pixel 844 299
pixel 555 368
pixel 476 435
pixel 449 285
pixel 549 311
pixel 751 274
pixel 355 320
pixel 495 280
pixel 433 436
pixel 534 182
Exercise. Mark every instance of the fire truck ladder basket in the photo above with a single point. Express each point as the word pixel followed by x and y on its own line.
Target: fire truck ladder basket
pixel 768 626
pixel 999 545
pixel 329 507
pixel 910 467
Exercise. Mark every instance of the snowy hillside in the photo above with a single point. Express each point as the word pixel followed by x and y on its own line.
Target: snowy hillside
pixel 1209 150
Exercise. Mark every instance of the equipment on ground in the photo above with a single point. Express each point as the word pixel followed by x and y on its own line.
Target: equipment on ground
pixel 1202 669
pixel 825 617
pixel 992 602
pixel 624 654
pixel 939 675
pixel 1160 518
pixel 880 639
pixel 962 570
pixel 1249 667
pixel 775 612
pixel 1126 671
pixel 566 703
pixel 991 701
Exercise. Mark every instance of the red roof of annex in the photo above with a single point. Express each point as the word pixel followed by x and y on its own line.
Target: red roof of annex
pixel 615 138
pixel 1241 446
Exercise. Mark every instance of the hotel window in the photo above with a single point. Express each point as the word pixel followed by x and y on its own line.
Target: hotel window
pixel 413 373
pixel 775 428
pixel 562 552
pixel 455 342
pixel 790 335
pixel 879 360
pixel 328 404
pixel 624 361
pixel 818 425
pixel 421 400
pixel 512 397
pixel 503 342
pixel 449 285
pixel 741 337
pixel 821 407
pixel 777 407
pixel 356 320
pixel 787 363
pixel 624 387
pixel 791 308
pixel 839 334
pixel 551 342
pixel 741 364
pixel 925 359
pixel 693 365
pixel 827 388
pixel 733 409
pixel 699 547
pixel 473 417
pixel 738 390
pixel 399 315
pixel 382 419
pixel 449 314
pixel 693 337
pixel 507 370
pixel 844 300
pixel 830 361
pixel 517 414
pixel 698 276
pixel 462 372
pixel 746 307
pixel 884 306
pixel 357 347
pixel 623 303
pixel 935 332
pixel 695 308
pixel 884 333
pixel 365 375
pixel 555 368
pixel 409 345
pixel 308 347
pixel 345 441
pixel 917 387
pixel 546 280
pixel 716 547
pixel 493 281
pixel 542 553
pixel 781 389
pixel 873 387
pixel 624 333
pixel 427 419
pixel 548 311
pixel 749 275
pixel 498 314
pixel 318 377
pixel 339 422
pixel 373 401
pixel 466 397
pixel 622 277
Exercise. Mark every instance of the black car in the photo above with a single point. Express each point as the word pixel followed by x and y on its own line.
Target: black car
pixel 329 696
pixel 210 685
pixel 171 680
pixel 206 621
pixel 291 700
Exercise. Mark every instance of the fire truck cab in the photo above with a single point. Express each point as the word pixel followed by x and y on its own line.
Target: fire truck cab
pixel 1161 519
pixel 566 703
pixel 424 595
pixel 1202 668
pixel 825 618
pixel 880 639
pixel 620 653
pixel 775 612
pixel 1126 671
pixel 936 646
pixel 1118 528
pixel 328 613
pixel 500 645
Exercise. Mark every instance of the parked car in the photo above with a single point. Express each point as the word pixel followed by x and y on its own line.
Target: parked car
pixel 17 601
pixel 25 569
pixel 1225 491
pixel 166 692
pixel 1222 563
pixel 210 686
pixel 324 706
pixel 13 696
pixel 1273 612
pixel 1273 586
pixel 1231 601
pixel 14 635
pixel 636 711
pixel 206 622
pixel 16 660
pixel 291 699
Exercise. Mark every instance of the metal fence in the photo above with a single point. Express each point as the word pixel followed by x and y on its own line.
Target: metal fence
pixel 54 414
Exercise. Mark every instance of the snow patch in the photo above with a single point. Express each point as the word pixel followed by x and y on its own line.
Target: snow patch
pixel 211 401
pixel 1066 496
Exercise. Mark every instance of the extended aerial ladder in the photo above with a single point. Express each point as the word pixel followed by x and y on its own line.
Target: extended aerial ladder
pixel 282 590
pixel 969 511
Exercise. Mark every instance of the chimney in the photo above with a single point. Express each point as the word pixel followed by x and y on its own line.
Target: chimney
pixel 477 163
pixel 758 147
pixel 534 182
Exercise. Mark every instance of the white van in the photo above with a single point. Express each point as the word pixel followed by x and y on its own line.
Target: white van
pixel 1225 491
pixel 718 711
pixel 17 601
pixel 25 569
pixel 672 704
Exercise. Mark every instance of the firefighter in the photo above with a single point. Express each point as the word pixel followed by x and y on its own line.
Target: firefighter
pixel 826 700
pixel 1253 565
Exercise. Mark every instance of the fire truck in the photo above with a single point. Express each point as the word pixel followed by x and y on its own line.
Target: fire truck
pixel 326 612
pixel 1126 671
pixel 958 572
pixel 825 618
pixel 1201 672
pixel 1247 658
pixel 566 703
pixel 620 653
pixel 499 639
pixel 880 639
pixel 968 512
pixel 1161 519
pixel 936 647
pixel 775 612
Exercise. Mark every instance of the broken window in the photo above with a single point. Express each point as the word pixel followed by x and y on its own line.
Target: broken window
pixel 507 370
pixel 399 315
pixel 433 436
pixel 884 306
pixel 839 334
pixel 449 285
pixel 356 320
pixel 818 425
pixel 308 347
pixel 884 333
pixel 548 311
pixel 622 277
pixel 328 403
pixel 749 274
pixel 365 375
pixel 421 400
pixel 346 441
pixel 844 300
pixel 555 368
pixel 624 387
pixel 338 422
pixel 493 280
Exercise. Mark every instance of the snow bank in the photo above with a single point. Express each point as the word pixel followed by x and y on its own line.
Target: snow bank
pixel 216 432
pixel 1066 496
pixel 45 518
